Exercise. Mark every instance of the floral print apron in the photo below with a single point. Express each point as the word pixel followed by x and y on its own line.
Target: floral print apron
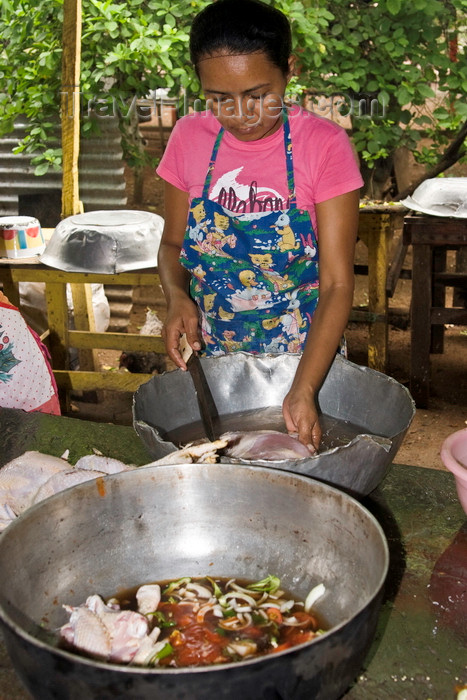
pixel 254 275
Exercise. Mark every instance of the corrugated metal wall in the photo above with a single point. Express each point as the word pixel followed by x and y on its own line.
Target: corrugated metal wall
pixel 101 171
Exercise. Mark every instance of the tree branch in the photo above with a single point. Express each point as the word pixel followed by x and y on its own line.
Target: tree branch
pixel 451 155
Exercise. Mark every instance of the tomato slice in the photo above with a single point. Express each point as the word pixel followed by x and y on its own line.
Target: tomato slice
pixel 274 614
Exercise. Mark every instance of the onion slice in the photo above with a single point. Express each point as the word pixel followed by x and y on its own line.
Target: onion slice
pixel 234 595
pixel 200 591
pixel 313 596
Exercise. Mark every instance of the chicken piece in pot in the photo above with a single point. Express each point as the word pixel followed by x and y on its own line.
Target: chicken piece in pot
pixel 269 445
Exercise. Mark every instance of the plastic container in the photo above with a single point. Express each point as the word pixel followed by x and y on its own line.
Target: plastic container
pixel 454 458
pixel 20 237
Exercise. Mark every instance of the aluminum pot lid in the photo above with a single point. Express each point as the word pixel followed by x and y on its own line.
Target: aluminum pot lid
pixel 105 242
pixel 440 197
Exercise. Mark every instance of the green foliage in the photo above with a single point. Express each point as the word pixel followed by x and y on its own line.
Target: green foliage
pixel 29 66
pixel 386 64
pixel 396 54
pixel 129 48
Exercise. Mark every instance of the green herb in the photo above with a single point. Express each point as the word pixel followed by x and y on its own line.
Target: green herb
pixel 270 584
pixel 259 619
pixel 176 584
pixel 217 591
pixel 161 619
pixel 165 651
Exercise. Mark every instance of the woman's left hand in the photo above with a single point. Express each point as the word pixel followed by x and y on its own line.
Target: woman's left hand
pixel 301 417
pixel 337 225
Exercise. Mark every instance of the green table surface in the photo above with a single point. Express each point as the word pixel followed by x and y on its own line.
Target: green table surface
pixel 419 651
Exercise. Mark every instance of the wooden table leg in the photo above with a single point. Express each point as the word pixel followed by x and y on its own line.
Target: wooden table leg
pixel 10 288
pixel 420 325
pixel 57 314
pixel 83 314
pixel 378 242
pixel 438 299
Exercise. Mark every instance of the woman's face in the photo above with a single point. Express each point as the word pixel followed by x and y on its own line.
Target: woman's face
pixel 245 92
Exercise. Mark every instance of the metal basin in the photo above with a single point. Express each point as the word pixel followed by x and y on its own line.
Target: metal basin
pixel 381 407
pixel 105 242
pixel 165 522
pixel 440 197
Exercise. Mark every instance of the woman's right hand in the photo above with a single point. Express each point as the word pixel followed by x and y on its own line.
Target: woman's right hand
pixel 182 312
pixel 182 317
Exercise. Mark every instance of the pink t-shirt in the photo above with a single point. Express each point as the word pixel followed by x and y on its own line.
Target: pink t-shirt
pixel 249 172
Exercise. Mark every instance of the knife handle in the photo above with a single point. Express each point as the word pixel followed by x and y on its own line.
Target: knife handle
pixel 186 351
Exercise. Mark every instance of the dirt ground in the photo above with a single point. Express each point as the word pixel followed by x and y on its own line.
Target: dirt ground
pixel 447 411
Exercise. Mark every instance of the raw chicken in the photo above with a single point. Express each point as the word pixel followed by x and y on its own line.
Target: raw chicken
pixel 148 598
pixel 200 453
pixel 34 476
pixel 6 516
pixel 22 477
pixel 64 480
pixel 108 633
pixel 270 445
pixel 98 462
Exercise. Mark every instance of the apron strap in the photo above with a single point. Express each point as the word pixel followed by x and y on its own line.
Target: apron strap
pixel 212 163
pixel 288 161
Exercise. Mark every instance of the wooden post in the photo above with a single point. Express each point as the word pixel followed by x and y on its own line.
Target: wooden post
pixel 378 243
pixel 376 228
pixel 70 106
pixel 70 119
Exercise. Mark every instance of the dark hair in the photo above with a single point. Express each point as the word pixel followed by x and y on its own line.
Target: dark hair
pixel 241 26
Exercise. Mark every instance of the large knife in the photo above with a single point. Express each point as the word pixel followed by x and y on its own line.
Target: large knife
pixel 207 406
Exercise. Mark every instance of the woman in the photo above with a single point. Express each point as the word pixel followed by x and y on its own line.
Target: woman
pixel 251 187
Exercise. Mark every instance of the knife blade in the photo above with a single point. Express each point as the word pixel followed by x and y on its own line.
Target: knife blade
pixel 206 403
pixel 207 407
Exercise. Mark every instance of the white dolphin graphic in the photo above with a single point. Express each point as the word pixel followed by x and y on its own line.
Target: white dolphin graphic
pixel 229 181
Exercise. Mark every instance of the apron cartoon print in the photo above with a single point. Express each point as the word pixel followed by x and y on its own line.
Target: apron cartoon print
pixel 254 275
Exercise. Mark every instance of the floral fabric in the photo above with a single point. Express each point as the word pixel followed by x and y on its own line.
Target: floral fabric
pixel 26 379
pixel 255 276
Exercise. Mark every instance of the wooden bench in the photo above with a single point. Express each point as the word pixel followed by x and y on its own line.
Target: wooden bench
pixel 376 228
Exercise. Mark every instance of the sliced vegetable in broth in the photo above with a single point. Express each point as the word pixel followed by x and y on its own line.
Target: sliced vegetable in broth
pixel 195 622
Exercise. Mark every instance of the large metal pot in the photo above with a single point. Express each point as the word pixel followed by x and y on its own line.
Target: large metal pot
pixel 381 407
pixel 156 523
